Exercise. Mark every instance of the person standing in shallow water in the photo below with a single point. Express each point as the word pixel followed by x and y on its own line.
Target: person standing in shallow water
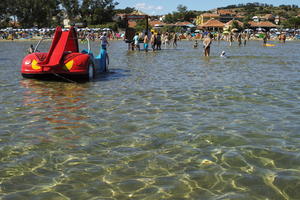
pixel 230 39
pixel 104 41
pixel 153 40
pixel 30 49
pixel 136 42
pixel 206 44
pixel 244 39
pixel 174 44
pixel 265 39
pixel 158 41
pixel 146 41
pixel 239 38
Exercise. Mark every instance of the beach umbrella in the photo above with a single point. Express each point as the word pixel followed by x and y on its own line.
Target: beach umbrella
pixel 191 25
pixel 291 30
pixel 274 29
pixel 261 29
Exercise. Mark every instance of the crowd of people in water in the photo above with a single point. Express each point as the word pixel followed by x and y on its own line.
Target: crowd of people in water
pixel 95 34
pixel 155 41
pixel 21 34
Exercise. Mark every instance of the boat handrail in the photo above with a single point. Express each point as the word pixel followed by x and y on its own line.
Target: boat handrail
pixel 38 44
pixel 88 41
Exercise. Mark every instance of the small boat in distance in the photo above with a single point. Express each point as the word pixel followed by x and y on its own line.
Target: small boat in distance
pixel 64 59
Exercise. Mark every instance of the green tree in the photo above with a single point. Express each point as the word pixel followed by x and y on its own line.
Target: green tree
pixel 98 11
pixel 4 17
pixel 33 12
pixel 126 10
pixel 85 11
pixel 3 7
pixel 169 18
pixel 141 25
pixel 181 8
pixel 189 15
pixel 71 7
pixel 293 22
pixel 182 14
pixel 235 25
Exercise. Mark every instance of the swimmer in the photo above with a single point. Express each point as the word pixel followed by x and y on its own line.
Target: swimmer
pixel 223 55
pixel 196 44
pixel 30 49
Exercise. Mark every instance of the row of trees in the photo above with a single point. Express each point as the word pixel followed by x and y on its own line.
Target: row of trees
pixel 293 22
pixel 256 4
pixel 252 9
pixel 47 13
pixel 182 14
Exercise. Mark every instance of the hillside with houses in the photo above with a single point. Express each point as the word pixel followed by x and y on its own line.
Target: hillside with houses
pixel 248 16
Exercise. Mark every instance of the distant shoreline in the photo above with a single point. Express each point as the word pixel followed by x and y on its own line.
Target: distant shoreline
pixel 24 40
pixel 36 40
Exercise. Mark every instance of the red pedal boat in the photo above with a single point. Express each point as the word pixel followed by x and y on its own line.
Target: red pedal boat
pixel 63 59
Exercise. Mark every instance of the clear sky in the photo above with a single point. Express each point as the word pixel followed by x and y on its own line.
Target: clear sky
pixel 159 7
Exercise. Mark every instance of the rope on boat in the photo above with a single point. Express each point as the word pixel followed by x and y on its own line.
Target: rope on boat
pixel 62 77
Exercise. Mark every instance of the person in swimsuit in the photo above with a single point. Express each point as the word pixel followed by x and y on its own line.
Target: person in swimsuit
pixel 230 39
pixel 166 39
pixel 244 39
pixel 153 40
pixel 158 41
pixel 265 39
pixel 283 38
pixel 206 44
pixel 174 44
pixel 146 41
pixel 239 39
pixel 196 44
pixel 104 41
pixel 136 41
pixel 30 49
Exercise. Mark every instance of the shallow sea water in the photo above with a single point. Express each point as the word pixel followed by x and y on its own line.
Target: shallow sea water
pixel 161 125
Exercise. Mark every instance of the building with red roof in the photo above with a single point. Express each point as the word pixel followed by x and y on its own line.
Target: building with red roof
pixel 157 23
pixel 231 22
pixel 201 19
pixel 212 24
pixel 265 24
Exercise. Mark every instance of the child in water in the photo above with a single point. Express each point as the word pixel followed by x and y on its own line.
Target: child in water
pixel 196 44
pixel 30 49
pixel 223 55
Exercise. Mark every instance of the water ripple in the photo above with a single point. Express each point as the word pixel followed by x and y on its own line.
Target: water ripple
pixel 162 125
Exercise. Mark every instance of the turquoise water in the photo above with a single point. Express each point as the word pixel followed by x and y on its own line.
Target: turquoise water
pixel 162 125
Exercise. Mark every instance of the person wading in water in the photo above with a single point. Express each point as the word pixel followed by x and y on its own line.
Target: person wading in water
pixel 206 44
pixel 146 41
pixel 153 41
